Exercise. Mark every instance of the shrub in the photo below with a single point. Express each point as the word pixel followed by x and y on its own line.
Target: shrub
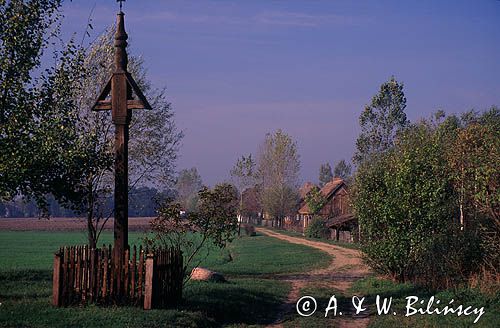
pixel 404 200
pixel 317 228
pixel 448 260
pixel 213 224
pixel 249 230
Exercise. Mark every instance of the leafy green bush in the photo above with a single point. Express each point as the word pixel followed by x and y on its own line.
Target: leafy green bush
pixel 317 228
pixel 408 206
pixel 404 199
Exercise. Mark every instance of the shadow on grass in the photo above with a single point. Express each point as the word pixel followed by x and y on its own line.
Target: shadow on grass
pixel 245 301
pixel 25 284
pixel 26 275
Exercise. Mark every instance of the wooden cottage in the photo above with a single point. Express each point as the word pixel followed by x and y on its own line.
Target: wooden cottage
pixel 336 211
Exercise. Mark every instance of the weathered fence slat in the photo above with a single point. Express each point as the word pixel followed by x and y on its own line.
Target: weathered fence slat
pixel 57 280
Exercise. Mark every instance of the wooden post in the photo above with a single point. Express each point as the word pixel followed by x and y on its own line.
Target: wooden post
pixel 57 281
pixel 148 292
pixel 121 87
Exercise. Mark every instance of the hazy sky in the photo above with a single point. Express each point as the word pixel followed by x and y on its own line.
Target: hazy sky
pixel 235 70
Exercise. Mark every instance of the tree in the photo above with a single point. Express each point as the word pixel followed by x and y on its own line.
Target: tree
pixel 278 170
pixel 243 176
pixel 154 138
pixel 405 202
pixel 381 121
pixel 342 170
pixel 187 186
pixel 473 157
pixel 215 222
pixel 40 150
pixel 325 174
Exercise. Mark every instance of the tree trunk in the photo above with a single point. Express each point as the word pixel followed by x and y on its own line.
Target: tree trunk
pixel 241 214
pixel 91 232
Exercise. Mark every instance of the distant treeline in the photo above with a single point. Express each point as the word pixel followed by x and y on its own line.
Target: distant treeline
pixel 143 202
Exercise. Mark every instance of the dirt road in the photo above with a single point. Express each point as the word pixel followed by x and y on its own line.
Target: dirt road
pixel 345 268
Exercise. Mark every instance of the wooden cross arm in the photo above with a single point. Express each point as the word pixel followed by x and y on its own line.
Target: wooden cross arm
pixel 103 105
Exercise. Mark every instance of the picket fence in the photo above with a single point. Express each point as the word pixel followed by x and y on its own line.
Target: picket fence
pixel 152 279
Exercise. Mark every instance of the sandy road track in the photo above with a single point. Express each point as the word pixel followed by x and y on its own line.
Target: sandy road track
pixel 345 268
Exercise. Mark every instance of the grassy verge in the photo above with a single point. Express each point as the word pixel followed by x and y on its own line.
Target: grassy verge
pixel 247 299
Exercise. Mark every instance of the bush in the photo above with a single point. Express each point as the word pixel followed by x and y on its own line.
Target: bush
pixel 317 229
pixel 448 260
pixel 404 199
pixel 249 230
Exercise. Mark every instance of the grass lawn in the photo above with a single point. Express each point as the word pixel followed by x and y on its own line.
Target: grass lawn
pixel 247 299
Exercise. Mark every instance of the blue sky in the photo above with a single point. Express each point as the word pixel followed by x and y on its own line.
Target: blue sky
pixel 235 70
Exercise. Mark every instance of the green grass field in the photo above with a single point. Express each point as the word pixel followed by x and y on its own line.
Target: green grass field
pixel 247 299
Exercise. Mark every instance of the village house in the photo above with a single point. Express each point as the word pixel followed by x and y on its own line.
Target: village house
pixel 336 211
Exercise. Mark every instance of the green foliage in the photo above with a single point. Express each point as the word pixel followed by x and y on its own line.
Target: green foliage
pixel 315 200
pixel 40 150
pixel 428 206
pixel 403 198
pixel 325 174
pixel 381 120
pixel 317 229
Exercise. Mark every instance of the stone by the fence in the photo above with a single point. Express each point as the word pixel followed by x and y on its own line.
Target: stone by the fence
pixel 203 274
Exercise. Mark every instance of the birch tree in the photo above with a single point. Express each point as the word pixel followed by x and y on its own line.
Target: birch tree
pixel 381 120
pixel 243 176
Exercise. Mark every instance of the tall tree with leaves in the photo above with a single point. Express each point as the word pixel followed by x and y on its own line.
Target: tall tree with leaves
pixel 278 170
pixel 41 151
pixel 243 176
pixel 325 174
pixel 154 137
pixel 342 170
pixel 381 121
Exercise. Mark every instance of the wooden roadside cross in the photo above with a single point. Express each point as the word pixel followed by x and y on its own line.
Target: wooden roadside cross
pixel 121 87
